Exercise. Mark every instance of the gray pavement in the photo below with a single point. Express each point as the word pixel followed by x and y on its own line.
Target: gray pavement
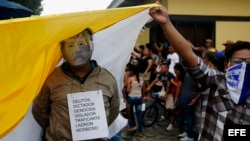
pixel 155 133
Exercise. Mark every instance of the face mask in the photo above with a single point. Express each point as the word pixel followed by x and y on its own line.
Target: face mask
pixel 238 82
pixel 77 50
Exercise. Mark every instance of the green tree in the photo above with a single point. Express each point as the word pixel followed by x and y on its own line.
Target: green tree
pixel 34 5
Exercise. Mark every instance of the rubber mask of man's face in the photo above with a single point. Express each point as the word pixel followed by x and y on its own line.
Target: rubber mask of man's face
pixel 77 50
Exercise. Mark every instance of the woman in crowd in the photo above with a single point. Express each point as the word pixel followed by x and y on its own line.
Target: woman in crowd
pixel 145 67
pixel 175 91
pixel 134 99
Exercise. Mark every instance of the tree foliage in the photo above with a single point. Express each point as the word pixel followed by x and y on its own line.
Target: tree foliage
pixel 34 5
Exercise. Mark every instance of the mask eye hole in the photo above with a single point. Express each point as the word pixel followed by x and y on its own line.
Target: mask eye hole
pixel 82 43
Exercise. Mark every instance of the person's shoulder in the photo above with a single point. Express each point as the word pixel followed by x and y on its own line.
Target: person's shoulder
pixel 170 74
pixel 105 72
pixel 55 77
pixel 149 57
pixel 57 71
pixel 175 54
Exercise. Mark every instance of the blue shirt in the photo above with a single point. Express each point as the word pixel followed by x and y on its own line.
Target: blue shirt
pixel 165 78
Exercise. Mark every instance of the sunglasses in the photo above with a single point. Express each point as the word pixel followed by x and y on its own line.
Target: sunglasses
pixel 239 60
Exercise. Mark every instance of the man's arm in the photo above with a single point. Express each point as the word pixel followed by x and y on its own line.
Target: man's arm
pixel 128 83
pixel 114 104
pixel 136 54
pixel 152 84
pixel 178 90
pixel 41 108
pixel 180 44
pixel 195 99
pixel 168 87
pixel 150 64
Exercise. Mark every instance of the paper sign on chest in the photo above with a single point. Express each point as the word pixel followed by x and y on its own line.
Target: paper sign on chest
pixel 87 115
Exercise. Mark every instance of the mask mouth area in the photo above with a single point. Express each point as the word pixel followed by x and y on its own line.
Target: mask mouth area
pixel 238 82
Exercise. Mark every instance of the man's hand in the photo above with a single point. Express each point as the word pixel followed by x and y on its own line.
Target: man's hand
pixel 148 90
pixel 159 13
pixel 192 102
pixel 164 97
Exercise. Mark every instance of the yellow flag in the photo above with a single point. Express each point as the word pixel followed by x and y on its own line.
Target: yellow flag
pixel 30 51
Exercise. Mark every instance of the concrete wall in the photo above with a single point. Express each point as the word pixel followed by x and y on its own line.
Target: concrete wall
pixel 143 37
pixel 225 30
pixel 209 7
pixel 231 31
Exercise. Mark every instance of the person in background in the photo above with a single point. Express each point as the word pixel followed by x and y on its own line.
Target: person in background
pixel 189 96
pixel 207 55
pixel 125 79
pixel 173 57
pixel 77 74
pixel 158 85
pixel 216 62
pixel 154 54
pixel 209 45
pixel 156 58
pixel 207 48
pixel 165 76
pixel 228 100
pixel 175 91
pixel 159 48
pixel 145 67
pixel 126 111
pixel 227 44
pixel 134 100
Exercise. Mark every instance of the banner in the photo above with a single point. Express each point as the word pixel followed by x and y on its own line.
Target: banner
pixel 30 51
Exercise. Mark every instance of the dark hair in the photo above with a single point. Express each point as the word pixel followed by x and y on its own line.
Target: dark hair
pixel 239 45
pixel 141 46
pixel 166 62
pixel 179 66
pixel 208 54
pixel 149 46
pixel 218 62
pixel 84 31
pixel 90 32
pixel 135 71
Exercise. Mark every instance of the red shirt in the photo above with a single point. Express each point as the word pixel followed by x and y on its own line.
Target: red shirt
pixel 174 88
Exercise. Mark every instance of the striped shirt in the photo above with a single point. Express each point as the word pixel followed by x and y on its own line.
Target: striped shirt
pixel 218 109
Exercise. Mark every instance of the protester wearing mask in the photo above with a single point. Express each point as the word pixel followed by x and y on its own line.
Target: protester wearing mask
pixel 77 75
pixel 228 101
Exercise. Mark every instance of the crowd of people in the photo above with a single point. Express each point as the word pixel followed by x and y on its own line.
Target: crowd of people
pixel 197 84
pixel 148 71
pixel 226 92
